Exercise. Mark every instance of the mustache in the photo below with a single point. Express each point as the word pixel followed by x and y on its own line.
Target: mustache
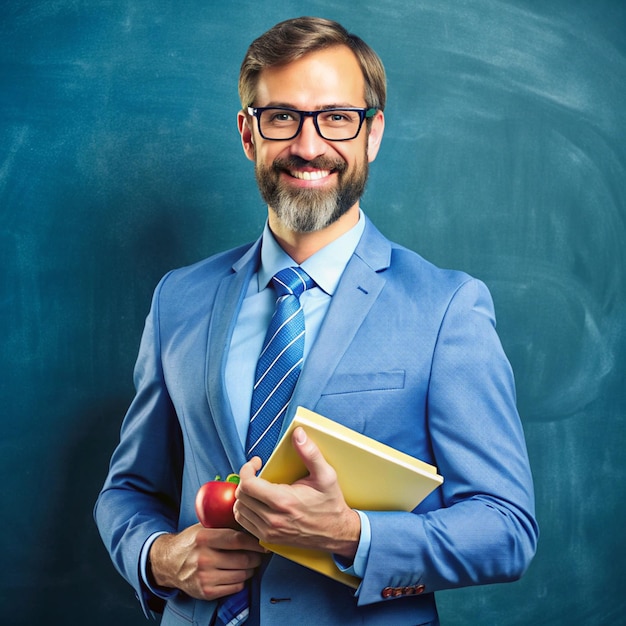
pixel 320 163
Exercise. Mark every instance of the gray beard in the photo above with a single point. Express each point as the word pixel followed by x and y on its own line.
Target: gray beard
pixel 307 211
pixel 311 210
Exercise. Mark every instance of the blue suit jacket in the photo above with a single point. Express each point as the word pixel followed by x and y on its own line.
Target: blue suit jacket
pixel 408 354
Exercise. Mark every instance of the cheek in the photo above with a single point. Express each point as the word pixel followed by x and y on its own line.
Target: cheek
pixel 265 154
pixel 354 160
pixel 355 155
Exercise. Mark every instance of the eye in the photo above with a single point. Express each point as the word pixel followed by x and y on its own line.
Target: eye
pixel 337 118
pixel 280 117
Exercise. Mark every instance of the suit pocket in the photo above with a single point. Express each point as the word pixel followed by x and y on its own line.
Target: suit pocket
pixel 364 381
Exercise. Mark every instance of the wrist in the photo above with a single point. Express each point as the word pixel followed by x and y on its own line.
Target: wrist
pixel 155 565
pixel 349 542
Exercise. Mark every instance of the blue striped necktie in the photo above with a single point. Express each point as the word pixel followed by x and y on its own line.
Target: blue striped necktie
pixel 279 364
pixel 277 372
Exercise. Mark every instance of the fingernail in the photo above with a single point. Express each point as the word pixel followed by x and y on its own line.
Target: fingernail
pixel 300 435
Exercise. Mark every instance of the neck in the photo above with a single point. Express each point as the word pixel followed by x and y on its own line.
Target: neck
pixel 301 246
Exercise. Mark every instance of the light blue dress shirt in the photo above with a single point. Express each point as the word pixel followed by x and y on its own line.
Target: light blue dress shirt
pixel 325 267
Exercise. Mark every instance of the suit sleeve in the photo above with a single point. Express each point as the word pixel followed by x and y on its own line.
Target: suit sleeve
pixel 142 490
pixel 485 531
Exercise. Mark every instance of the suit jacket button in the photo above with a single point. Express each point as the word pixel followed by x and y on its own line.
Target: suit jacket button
pixel 386 592
pixel 420 588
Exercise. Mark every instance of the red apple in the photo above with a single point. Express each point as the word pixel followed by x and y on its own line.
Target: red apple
pixel 214 503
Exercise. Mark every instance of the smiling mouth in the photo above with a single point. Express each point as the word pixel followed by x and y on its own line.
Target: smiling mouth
pixel 309 171
pixel 315 175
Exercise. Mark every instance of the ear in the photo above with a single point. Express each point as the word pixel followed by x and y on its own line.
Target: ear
pixel 247 135
pixel 375 136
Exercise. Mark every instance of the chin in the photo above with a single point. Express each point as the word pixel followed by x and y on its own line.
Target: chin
pixel 309 217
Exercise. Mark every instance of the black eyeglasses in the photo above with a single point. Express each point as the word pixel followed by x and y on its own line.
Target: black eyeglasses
pixel 335 124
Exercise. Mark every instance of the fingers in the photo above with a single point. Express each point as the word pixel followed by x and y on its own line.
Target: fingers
pixel 214 584
pixel 225 539
pixel 232 559
pixel 205 563
pixel 251 487
pixel 250 469
pixel 253 515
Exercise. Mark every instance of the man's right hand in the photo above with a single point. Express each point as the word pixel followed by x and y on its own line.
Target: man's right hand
pixel 205 563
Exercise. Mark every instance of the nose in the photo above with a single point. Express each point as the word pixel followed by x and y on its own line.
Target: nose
pixel 308 144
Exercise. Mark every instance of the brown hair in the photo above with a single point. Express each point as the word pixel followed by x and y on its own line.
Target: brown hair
pixel 289 40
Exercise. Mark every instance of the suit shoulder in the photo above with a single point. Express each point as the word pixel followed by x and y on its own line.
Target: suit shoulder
pixel 408 272
pixel 411 278
pixel 410 266
pixel 401 263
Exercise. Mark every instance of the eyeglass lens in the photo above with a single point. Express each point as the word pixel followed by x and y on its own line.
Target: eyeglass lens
pixel 337 124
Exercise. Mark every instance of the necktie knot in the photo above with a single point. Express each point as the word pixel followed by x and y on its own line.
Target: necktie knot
pixel 292 281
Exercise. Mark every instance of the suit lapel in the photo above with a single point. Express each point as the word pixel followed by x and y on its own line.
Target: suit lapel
pixel 228 299
pixel 358 289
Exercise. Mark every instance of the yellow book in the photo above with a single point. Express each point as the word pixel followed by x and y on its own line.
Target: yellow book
pixel 372 476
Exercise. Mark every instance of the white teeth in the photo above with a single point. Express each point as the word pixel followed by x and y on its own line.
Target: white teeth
pixel 316 175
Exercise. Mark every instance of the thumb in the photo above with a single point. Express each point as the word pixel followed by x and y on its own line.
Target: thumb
pixel 310 454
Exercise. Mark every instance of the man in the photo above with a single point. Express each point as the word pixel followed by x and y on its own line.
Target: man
pixel 394 348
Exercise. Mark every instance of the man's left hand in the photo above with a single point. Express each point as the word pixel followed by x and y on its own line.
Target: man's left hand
pixel 311 513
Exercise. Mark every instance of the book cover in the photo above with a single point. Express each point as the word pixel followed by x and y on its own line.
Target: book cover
pixel 373 477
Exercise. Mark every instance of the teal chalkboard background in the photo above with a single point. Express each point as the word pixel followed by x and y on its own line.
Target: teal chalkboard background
pixel 504 155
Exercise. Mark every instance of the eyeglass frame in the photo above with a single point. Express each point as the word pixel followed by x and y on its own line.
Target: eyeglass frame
pixel 364 114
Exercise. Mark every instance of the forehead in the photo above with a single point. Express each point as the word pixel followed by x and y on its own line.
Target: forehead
pixel 322 78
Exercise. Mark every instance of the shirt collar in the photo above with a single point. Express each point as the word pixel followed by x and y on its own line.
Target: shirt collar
pixel 325 267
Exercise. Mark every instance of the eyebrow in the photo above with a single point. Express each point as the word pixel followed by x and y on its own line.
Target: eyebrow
pixel 323 107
